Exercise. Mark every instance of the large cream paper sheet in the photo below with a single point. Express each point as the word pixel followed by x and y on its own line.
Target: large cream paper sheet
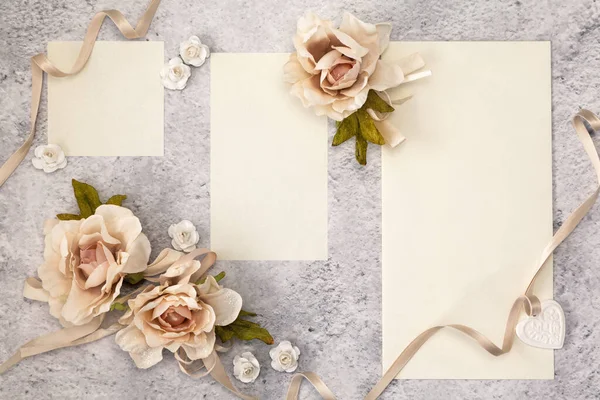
pixel 467 206
pixel 114 106
pixel 268 164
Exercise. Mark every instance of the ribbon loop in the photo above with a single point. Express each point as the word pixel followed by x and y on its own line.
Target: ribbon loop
pixel 41 64
pixel 319 385
pixel 527 302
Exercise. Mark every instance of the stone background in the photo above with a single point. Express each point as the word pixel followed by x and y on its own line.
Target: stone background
pixel 330 309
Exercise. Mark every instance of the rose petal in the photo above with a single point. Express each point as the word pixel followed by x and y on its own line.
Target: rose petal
pixel 202 346
pixel 356 28
pixel 318 44
pixel 386 76
pixel 180 273
pixel 133 341
pixel 97 277
pixel 138 255
pixel 348 52
pixel 358 87
pixel 327 61
pixel 350 43
pixel 183 311
pixel 161 308
pixel 293 71
pixel 383 32
pixel 313 92
pixel 226 304
pixel 348 80
pixel 330 112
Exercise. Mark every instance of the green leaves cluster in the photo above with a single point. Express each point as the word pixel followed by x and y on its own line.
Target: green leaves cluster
pixel 88 200
pixel 361 125
pixel 244 330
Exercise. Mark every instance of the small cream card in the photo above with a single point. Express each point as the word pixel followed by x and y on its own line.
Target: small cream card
pixel 114 106
pixel 467 206
pixel 268 164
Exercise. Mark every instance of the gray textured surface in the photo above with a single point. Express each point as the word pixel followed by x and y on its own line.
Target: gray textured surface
pixel 331 309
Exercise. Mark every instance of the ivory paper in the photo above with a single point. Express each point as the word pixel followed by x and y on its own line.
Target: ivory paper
pixel 467 206
pixel 268 164
pixel 114 106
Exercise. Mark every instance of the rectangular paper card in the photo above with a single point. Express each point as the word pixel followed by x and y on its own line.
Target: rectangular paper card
pixel 268 164
pixel 114 106
pixel 467 206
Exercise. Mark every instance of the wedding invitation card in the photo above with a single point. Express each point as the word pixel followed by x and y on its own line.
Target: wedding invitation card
pixel 114 106
pixel 268 164
pixel 467 206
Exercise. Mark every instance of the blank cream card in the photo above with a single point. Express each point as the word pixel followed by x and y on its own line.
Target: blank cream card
pixel 114 106
pixel 268 164
pixel 467 206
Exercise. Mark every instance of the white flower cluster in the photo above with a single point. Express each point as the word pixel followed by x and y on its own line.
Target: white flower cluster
pixel 176 72
pixel 284 358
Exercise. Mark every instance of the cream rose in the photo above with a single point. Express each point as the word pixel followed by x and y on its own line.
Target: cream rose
pixel 49 158
pixel 193 51
pixel 85 262
pixel 246 367
pixel 175 74
pixel 284 357
pixel 333 69
pixel 184 235
pixel 177 315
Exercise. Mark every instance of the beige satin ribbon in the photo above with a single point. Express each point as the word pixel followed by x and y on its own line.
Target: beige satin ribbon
pixel 528 302
pixel 41 64
pixel 392 135
pixel 409 64
pixel 67 337
pixel 91 331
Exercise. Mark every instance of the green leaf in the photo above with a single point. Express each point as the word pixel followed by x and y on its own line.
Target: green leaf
pixel 134 278
pixel 247 314
pixel 117 199
pixel 368 129
pixel 87 198
pixel 346 129
pixel 118 307
pixel 68 217
pixel 375 102
pixel 223 333
pixel 217 277
pixel 244 330
pixel 361 150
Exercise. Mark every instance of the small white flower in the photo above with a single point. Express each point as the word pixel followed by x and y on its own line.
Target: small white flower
pixel 184 235
pixel 285 357
pixel 193 52
pixel 49 158
pixel 246 367
pixel 175 74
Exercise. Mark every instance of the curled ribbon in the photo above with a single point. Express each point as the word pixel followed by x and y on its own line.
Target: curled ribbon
pixel 41 64
pixel 92 331
pixel 527 302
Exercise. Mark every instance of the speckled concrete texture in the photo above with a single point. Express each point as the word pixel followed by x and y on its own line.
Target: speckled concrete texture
pixel 330 309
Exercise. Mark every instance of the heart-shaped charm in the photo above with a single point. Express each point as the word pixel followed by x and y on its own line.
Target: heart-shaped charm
pixel 546 330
